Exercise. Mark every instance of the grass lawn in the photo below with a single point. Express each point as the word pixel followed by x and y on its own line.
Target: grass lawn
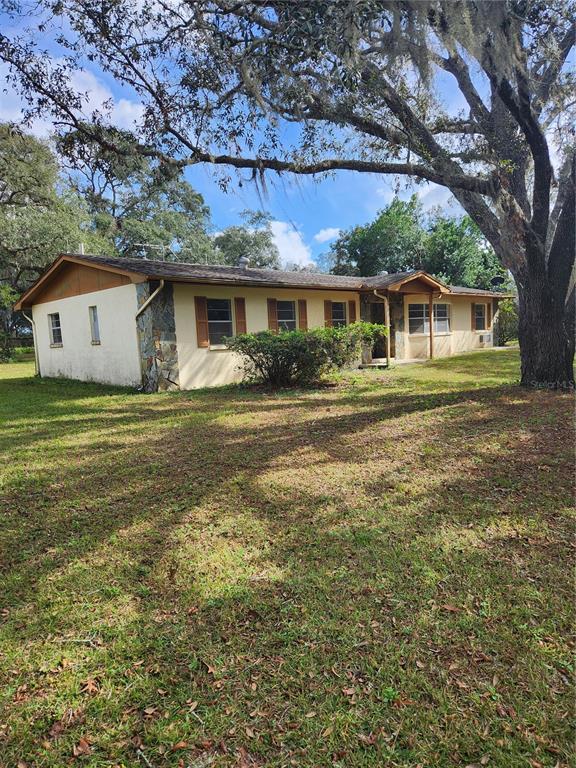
pixel 377 573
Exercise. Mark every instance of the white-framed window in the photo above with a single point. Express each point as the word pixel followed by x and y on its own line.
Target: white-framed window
pixel 219 320
pixel 286 311
pixel 480 317
pixel 441 318
pixel 55 329
pixel 338 314
pixel 94 325
pixel 418 318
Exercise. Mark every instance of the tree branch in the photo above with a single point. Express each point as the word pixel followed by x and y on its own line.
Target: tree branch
pixel 471 184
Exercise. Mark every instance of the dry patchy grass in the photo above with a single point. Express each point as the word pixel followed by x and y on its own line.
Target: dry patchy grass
pixel 376 573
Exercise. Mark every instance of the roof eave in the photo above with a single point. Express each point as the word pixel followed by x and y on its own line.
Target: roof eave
pixel 24 302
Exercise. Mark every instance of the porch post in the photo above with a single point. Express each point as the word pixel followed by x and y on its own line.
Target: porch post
pixel 431 320
pixel 387 324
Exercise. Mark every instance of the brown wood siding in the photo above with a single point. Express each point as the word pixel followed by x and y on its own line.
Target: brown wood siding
pixel 302 315
pixel 414 286
pixel 77 279
pixel 272 315
pixel 240 314
pixel 328 313
pixel 202 321
pixel 351 311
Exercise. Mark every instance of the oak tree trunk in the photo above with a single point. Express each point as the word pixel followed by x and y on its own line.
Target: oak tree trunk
pixel 546 345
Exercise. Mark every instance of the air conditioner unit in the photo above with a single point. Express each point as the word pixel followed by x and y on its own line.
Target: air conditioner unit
pixel 485 339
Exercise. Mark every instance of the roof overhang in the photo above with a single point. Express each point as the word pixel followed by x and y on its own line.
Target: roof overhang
pixel 403 286
pixel 415 282
pixel 27 299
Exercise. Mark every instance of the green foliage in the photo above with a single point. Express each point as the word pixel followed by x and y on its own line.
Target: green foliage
pixel 7 298
pixel 393 242
pixel 28 169
pixel 400 239
pixel 142 208
pixel 254 240
pixel 297 358
pixel 457 253
pixel 506 323
pixel 38 219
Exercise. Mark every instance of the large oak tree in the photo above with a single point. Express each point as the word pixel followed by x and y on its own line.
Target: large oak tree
pixel 367 86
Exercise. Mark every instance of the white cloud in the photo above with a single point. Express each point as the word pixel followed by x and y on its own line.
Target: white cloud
pixel 290 243
pixel 385 193
pixel 327 234
pixel 122 112
pixel 433 195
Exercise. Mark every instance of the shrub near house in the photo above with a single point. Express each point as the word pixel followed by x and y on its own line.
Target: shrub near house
pixel 293 358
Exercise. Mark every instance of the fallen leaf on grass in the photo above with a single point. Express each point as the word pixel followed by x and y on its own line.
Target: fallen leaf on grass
pixel 90 686
pixel 82 748
pixel 370 740
pixel 180 745
pixel 450 608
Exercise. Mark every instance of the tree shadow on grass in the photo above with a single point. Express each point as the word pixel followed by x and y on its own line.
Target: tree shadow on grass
pixel 275 570
pixel 90 487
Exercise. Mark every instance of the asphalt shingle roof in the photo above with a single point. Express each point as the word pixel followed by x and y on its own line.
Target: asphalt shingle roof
pixel 223 275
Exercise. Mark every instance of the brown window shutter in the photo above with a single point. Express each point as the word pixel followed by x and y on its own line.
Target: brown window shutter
pixel 328 314
pixel 302 315
pixel 351 311
pixel 473 316
pixel 272 315
pixel 202 321
pixel 240 314
pixel 489 315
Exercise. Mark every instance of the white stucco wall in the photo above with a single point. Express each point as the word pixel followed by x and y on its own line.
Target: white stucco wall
pixel 115 360
pixel 200 367
pixel 461 337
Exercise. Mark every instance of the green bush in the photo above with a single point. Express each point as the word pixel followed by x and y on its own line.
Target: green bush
pixel 506 324
pixel 296 358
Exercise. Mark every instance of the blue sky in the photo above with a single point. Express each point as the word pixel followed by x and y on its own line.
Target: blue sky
pixel 307 214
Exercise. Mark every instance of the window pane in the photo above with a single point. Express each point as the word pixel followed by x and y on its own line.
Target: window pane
pixel 441 318
pixel 338 314
pixel 218 331
pixel 94 327
pixel 219 309
pixel 480 316
pixel 55 329
pixel 219 320
pixel 286 315
pixel 418 318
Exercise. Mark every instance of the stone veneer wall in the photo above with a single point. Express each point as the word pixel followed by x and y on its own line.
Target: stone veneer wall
pixel 157 339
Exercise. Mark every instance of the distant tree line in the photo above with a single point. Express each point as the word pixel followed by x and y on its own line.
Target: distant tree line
pixel 403 237
pixel 54 197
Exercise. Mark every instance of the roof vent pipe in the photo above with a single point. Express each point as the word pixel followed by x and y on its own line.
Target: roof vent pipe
pixel 243 262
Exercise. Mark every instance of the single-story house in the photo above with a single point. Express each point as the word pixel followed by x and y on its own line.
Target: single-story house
pixel 160 325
